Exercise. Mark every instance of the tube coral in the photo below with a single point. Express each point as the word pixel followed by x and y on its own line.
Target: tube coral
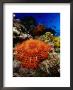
pixel 31 52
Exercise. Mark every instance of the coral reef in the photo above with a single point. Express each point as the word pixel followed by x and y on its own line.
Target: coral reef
pixel 31 52
pixel 49 64
pixel 36 49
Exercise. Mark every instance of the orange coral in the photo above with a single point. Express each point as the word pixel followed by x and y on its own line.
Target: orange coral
pixel 31 52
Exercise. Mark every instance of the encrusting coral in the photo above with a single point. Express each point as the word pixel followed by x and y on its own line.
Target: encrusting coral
pixel 31 52
pixel 56 41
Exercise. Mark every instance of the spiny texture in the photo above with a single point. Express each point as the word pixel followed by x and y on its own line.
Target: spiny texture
pixel 31 52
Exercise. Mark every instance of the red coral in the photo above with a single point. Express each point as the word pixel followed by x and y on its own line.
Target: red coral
pixel 38 30
pixel 31 52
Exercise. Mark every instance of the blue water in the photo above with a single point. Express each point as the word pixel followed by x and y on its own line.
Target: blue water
pixel 50 20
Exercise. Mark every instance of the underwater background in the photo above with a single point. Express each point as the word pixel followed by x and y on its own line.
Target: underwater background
pixel 36 44
pixel 49 20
